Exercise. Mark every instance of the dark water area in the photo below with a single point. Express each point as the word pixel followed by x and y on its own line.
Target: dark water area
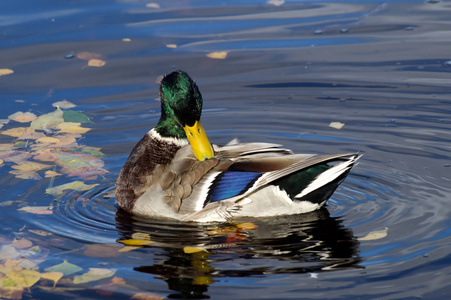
pixel 284 72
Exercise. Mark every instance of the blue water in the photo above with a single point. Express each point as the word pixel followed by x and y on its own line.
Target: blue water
pixel 381 68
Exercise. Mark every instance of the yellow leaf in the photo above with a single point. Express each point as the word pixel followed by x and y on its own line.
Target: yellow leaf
pixel 96 62
pixel 89 55
pixel 218 55
pixel 18 131
pixel 24 278
pixel 6 72
pixel 133 242
pixel 49 174
pixel 48 121
pixel 76 185
pixel 126 40
pixel 248 226
pixel 22 117
pixel 94 274
pixel 47 140
pixel 171 46
pixel 1 161
pixel 31 166
pixel 63 104
pixel 53 276
pixel 189 249
pixel 72 127
pixel 375 235
pixel 336 125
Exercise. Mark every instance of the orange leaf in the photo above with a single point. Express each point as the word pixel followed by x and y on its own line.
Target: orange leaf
pixel 96 63
pixel 18 131
pixel 89 55
pixel 22 117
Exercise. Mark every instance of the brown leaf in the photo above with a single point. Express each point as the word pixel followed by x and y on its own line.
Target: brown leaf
pixel 25 174
pixel 32 135
pixel 102 250
pixel 89 55
pixel 18 131
pixel 22 117
pixel 22 244
pixel 85 173
pixel 11 292
pixel 17 157
pixel 31 166
pixel 45 155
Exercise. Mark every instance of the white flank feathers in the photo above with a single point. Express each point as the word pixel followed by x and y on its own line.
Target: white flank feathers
pixel 328 176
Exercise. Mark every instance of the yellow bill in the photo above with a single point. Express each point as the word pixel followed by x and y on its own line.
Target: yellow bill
pixel 199 141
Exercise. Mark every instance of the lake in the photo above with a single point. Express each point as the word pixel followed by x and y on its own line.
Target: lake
pixel 315 76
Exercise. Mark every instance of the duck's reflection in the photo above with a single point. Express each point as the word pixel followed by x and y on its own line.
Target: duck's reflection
pixel 194 255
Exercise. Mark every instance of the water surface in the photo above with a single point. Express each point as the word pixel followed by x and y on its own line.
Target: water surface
pixel 381 69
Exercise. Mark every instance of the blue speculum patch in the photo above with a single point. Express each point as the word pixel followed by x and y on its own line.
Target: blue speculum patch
pixel 232 183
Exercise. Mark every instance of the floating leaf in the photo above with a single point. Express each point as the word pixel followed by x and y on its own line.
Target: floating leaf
pixel 64 104
pixel 53 276
pixel 6 72
pixel 101 250
pixel 25 174
pixel 276 2
pixel 153 5
pixel 45 155
pixel 24 278
pixel 171 46
pixel 126 40
pixel 89 55
pixel 336 125
pixel 40 232
pixel 38 210
pixel 76 185
pixel 94 274
pixel 4 147
pixel 1 161
pixel 22 117
pixel 75 117
pixel 72 127
pixel 375 235
pixel 6 203
pixel 65 267
pixel 8 252
pixel 218 55
pixel 48 121
pixel 48 140
pixel 50 174
pixel 85 173
pixel 22 244
pixel 11 292
pixel 96 63
pixel 18 131
pixel 32 135
pixel 31 166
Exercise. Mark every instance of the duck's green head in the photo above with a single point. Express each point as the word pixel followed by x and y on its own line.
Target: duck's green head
pixel 181 107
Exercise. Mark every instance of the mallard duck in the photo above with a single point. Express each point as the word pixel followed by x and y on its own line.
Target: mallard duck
pixel 174 172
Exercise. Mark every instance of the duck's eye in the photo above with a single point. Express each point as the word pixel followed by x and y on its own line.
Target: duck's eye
pixel 191 134
pixel 198 130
